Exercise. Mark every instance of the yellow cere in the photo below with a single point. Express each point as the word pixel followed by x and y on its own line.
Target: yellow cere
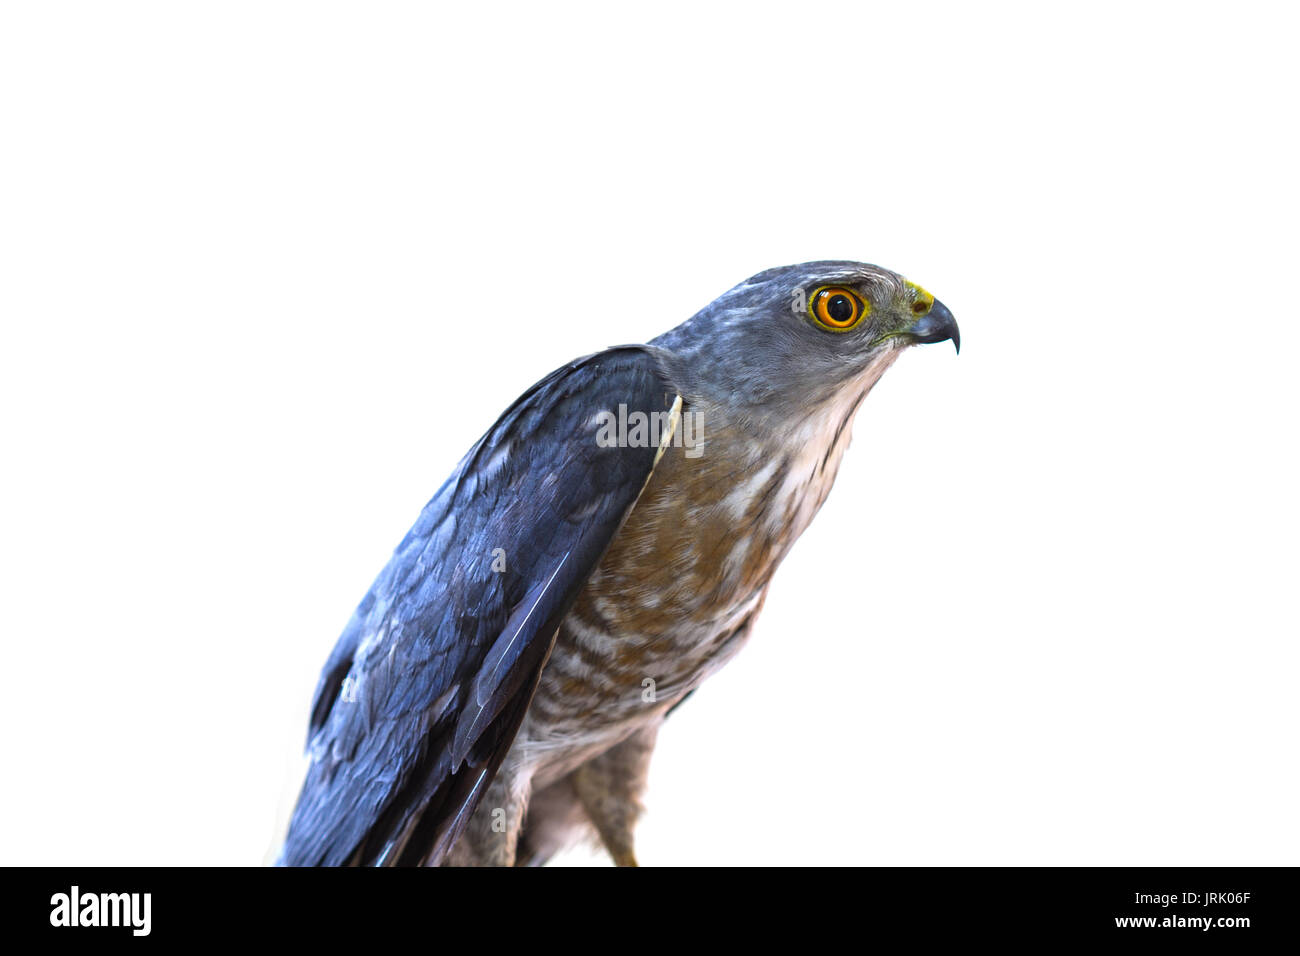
pixel 921 300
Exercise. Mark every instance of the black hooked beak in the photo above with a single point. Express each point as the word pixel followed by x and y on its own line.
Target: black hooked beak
pixel 937 325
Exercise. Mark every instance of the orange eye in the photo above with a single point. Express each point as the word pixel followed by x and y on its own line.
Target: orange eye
pixel 837 308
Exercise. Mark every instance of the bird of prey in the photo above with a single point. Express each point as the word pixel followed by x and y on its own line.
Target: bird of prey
pixel 601 550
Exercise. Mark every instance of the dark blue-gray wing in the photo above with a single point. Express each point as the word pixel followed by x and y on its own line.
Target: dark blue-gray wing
pixel 426 688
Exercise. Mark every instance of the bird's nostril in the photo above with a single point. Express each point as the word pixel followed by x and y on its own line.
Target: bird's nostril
pixel 920 308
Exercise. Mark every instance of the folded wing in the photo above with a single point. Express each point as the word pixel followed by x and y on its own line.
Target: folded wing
pixel 425 690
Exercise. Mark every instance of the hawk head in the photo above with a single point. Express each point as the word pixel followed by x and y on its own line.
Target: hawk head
pixel 788 340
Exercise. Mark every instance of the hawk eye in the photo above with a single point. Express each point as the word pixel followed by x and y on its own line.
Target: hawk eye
pixel 837 308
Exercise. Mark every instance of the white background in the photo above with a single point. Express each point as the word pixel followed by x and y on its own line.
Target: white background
pixel 269 269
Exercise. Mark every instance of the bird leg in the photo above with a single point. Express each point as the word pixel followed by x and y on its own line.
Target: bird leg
pixel 610 786
pixel 492 834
